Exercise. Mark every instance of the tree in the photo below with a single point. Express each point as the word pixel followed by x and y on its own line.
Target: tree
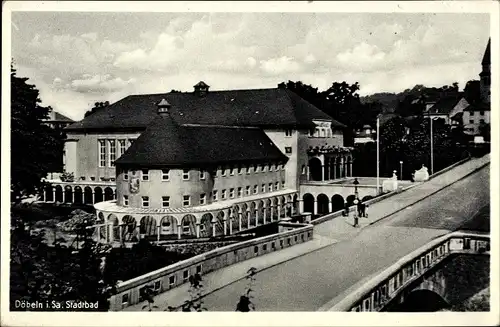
pixel 472 91
pixel 35 147
pixel 56 273
pixel 97 107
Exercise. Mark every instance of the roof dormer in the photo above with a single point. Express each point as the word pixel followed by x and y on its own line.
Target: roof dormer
pixel 201 88
pixel 163 107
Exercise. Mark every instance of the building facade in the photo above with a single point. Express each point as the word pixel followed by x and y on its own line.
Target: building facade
pixel 199 164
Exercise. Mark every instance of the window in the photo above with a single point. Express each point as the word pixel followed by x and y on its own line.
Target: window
pixel 202 174
pixel 165 201
pixel 270 187
pixel 471 121
pixel 125 200
pixel 281 243
pixel 240 191
pixel 481 113
pixel 223 194
pixel 125 175
pixel 171 280
pixel 288 132
pixel 185 174
pixel 102 153
pixel 283 185
pixel 247 190
pixel 203 198
pixel 277 186
pixel 263 188
pixel 481 121
pixel 185 227
pixel 240 170
pixel 125 299
pixel 145 175
pixel 145 201
pixel 198 269
pixel 123 148
pixel 231 193
pixel 186 200
pixel 165 174
pixel 157 285
pixel 223 171
pixel 273 246
pixel 185 275
pixel 256 189
pixel 264 247
pixel 255 249
pixel 112 153
pixel 472 113
pixel 231 171
pixel 214 195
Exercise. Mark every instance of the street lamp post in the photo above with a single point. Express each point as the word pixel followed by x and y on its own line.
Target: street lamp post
pixel 401 169
pixel 432 147
pixel 356 183
pixel 378 154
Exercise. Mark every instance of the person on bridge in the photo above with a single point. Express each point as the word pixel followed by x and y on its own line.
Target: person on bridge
pixel 361 209
pixel 345 213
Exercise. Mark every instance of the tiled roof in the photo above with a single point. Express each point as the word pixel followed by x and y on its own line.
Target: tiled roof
pixel 167 143
pixel 258 108
pixel 446 104
pixel 478 107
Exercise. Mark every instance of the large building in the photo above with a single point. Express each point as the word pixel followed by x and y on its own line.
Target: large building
pixel 199 164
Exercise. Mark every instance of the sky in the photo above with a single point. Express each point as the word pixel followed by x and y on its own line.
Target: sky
pixel 78 58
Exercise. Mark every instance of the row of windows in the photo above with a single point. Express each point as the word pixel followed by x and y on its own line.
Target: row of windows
pixel 321 132
pixel 110 150
pixel 224 195
pixel 472 121
pixel 472 113
pixel 186 173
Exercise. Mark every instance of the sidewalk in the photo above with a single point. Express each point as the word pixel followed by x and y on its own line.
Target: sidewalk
pixel 325 234
pixel 341 228
pixel 225 276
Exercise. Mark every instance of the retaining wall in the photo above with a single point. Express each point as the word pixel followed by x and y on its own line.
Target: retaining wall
pixel 164 279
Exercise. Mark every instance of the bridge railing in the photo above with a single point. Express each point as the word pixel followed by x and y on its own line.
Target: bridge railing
pixel 375 292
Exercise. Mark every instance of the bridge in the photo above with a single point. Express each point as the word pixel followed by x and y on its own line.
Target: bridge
pixel 414 281
pixel 341 255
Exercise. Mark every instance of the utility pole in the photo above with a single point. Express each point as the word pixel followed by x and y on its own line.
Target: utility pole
pixel 432 147
pixel 378 154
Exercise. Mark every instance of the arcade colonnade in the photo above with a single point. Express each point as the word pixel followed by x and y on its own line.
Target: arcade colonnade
pixel 78 194
pixel 324 167
pixel 181 223
pixel 323 204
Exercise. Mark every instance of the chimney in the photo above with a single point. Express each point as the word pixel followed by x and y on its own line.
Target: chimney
pixel 201 89
pixel 163 107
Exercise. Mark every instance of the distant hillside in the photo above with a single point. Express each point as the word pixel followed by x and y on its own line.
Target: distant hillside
pixel 389 101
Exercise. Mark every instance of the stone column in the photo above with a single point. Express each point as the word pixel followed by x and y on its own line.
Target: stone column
pixel 341 167
pixel 271 213
pixel 335 168
pixel 322 172
pixel 64 195
pixel 307 172
pixel 158 233
pixel 214 223
pixel 225 226
pixel 93 197
pixel 256 217
pixel 44 195
pixel 248 219
pixel 350 169
pixel 264 213
pixel 301 206
pixel 315 207
pixel 54 195
pixel 239 221
pixel 279 211
pixel 179 227
pixel 231 218
pixel 330 206
pixel 197 230
pixel 110 228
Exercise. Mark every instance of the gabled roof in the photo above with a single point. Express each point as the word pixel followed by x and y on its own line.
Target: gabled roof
pixel 257 108
pixel 61 117
pixel 487 55
pixel 166 143
pixel 445 105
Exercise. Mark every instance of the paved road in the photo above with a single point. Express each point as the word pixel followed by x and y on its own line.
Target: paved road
pixel 308 282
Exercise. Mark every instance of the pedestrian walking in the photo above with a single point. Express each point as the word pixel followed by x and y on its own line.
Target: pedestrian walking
pixel 345 213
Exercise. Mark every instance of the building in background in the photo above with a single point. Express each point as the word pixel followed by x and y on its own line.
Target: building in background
pixel 57 120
